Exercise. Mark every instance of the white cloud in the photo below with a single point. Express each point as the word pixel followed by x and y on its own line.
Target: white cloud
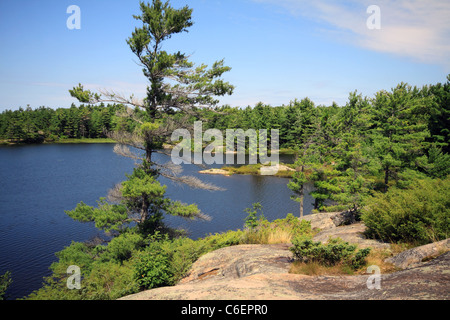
pixel 417 29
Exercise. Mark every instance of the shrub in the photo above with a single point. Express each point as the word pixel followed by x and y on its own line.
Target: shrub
pixel 5 282
pixel 417 215
pixel 109 281
pixel 334 252
pixel 164 262
pixel 251 222
pixel 220 240
pixel 121 248
pixel 152 267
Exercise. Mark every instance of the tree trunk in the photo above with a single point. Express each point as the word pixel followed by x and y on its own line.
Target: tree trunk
pixel 302 195
pixel 144 210
pixel 301 207
pixel 386 179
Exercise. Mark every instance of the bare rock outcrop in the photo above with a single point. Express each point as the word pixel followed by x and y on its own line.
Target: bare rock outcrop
pixel 254 272
pixel 353 233
pixel 330 220
pixel 260 272
pixel 341 225
pixel 241 261
pixel 415 256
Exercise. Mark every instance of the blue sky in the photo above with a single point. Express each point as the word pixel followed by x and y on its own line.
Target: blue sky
pixel 279 50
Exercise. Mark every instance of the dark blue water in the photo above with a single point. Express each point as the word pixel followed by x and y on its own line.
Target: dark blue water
pixel 37 183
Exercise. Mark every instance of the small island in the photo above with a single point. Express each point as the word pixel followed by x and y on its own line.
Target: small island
pixel 281 170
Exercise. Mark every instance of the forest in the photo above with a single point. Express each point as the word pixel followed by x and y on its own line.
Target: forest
pixel 48 125
pixel 426 110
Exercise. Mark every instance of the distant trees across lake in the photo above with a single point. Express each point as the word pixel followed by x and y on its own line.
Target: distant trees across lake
pixel 427 109
pixel 46 124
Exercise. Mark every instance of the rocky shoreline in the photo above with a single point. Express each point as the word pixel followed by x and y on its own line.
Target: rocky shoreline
pixel 253 272
pixel 264 170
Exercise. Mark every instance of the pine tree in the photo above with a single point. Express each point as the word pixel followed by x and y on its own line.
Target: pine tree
pixel 177 87
pixel 399 127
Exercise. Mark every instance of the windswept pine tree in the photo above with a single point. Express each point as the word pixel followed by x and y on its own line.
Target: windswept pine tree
pixel 177 91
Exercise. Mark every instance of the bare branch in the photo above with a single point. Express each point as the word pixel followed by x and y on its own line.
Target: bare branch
pixel 124 151
pixel 114 97
pixel 115 194
pixel 126 138
pixel 192 182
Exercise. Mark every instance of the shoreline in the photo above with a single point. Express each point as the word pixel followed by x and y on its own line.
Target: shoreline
pixel 284 171
pixel 61 141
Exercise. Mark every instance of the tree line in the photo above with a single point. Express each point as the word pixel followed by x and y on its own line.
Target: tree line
pixel 296 121
pixel 364 149
pixel 45 124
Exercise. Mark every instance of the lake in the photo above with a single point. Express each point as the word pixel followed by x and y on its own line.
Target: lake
pixel 39 182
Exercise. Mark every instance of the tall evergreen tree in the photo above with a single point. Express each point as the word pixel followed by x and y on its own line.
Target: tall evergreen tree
pixel 399 127
pixel 177 86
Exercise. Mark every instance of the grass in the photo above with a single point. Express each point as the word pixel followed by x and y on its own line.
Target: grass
pixel 376 257
pixel 276 232
pixel 254 169
pixel 244 169
pixel 316 269
pixel 287 151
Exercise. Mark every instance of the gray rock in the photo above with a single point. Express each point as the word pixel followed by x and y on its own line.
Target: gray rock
pixel 415 256
pixel 229 275
pixel 353 233
pixel 241 261
pixel 330 220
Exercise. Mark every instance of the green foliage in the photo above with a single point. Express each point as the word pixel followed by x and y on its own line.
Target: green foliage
pixel 334 252
pixel 436 164
pixel 109 281
pixel 244 169
pixel 153 268
pixel 108 217
pixel 106 272
pixel 48 125
pixel 298 182
pixel 106 281
pixel 122 248
pixel 5 282
pixel 194 85
pixel 418 214
pixel 166 261
pixel 348 152
pixel 84 96
pixel 399 128
pixel 221 240
pixel 370 145
pixel 252 219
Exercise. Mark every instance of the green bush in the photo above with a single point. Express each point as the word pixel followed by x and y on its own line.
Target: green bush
pixel 334 252
pixel 5 282
pixel 109 281
pixel 121 248
pixel 251 222
pixel 220 240
pixel 164 262
pixel 417 215
pixel 153 267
